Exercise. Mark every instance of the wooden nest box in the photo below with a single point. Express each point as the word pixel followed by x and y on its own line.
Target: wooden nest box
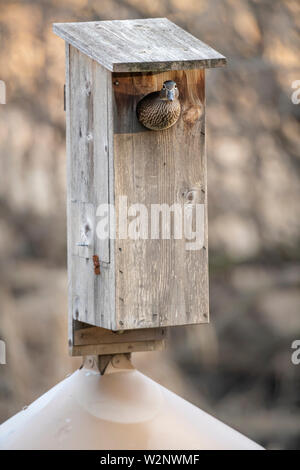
pixel 124 290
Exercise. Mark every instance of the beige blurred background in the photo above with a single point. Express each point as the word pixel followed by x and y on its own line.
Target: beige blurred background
pixel 239 367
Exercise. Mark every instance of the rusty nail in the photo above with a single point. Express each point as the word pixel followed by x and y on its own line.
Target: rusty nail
pixel 96 264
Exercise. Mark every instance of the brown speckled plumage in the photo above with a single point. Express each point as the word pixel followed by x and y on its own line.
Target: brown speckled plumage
pixel 156 111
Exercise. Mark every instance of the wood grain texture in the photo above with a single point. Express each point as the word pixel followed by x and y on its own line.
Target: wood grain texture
pixel 69 157
pixel 142 45
pixel 90 183
pixel 100 341
pixel 143 283
pixel 95 335
pixel 159 282
pixel 116 348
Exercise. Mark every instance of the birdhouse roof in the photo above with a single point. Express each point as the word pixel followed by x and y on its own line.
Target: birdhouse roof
pixel 145 45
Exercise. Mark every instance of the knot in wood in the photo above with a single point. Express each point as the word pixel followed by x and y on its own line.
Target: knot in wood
pixel 192 114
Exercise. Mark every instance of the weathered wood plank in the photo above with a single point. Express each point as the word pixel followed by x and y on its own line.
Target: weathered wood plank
pixel 69 243
pixel 99 341
pixel 142 45
pixel 159 282
pixel 89 167
pixel 96 335
pixel 116 348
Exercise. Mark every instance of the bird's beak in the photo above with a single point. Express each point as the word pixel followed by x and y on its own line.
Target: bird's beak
pixel 170 95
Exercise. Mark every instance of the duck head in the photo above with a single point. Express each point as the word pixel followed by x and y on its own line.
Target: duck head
pixel 169 91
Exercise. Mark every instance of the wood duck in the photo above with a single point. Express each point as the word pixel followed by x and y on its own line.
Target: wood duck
pixel 160 109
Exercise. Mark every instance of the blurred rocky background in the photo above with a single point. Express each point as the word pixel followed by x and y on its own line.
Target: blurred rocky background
pixel 239 367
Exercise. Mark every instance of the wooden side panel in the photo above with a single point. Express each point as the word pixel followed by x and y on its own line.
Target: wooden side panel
pixel 159 282
pixel 90 183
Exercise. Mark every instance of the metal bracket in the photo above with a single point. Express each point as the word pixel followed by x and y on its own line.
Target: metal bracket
pixel 100 363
